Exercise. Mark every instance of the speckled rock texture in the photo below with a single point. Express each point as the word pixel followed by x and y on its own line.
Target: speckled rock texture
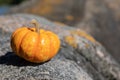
pixel 100 18
pixel 81 57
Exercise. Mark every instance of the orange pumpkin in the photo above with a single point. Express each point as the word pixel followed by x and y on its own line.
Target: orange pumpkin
pixel 35 45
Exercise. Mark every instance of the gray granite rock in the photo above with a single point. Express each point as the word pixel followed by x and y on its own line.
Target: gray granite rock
pixel 86 59
pixel 100 18
pixel 14 68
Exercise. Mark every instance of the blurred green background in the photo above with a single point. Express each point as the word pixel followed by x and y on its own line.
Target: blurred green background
pixel 10 2
pixel 6 4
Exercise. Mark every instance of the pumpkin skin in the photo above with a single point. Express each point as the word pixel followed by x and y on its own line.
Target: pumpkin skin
pixel 33 46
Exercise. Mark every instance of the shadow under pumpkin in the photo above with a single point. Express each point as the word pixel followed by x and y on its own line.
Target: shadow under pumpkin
pixel 11 59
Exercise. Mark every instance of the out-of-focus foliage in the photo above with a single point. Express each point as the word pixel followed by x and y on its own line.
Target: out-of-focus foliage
pixel 10 2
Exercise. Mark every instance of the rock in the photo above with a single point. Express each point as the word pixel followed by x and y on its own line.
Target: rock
pixel 81 57
pixel 100 18
pixel 114 6
pixel 14 68
pixel 101 22
pixel 55 10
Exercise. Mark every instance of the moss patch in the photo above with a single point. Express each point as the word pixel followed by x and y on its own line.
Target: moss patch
pixel 71 41
pixel 59 23
pixel 83 34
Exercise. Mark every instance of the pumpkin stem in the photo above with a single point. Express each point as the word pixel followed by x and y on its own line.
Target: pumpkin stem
pixel 36 24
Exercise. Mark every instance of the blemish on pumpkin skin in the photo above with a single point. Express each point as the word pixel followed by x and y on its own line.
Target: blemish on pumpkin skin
pixel 71 41
pixel 83 34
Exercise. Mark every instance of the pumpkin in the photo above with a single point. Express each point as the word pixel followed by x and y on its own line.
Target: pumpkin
pixel 34 44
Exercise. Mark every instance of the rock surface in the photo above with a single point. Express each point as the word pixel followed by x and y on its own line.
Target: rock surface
pixel 100 18
pixel 81 57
